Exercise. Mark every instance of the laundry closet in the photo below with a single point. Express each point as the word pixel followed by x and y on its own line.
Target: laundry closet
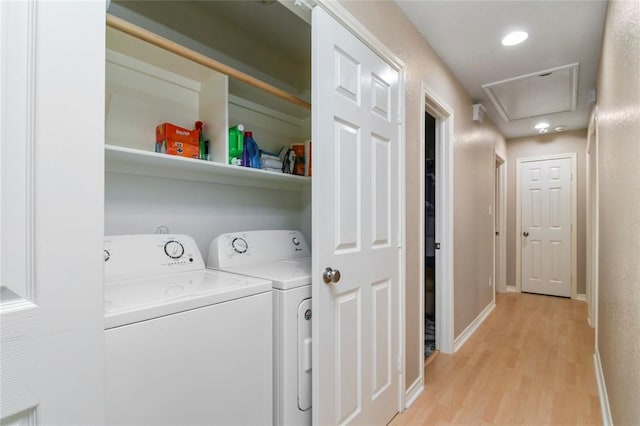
pixel 147 86
pixel 199 332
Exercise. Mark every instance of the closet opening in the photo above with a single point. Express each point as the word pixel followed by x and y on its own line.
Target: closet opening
pixel 430 237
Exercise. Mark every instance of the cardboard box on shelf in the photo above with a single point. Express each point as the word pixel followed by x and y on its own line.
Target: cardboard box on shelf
pixel 175 140
pixel 298 168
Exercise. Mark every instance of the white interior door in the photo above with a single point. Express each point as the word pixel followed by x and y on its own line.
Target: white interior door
pixel 546 226
pixel 356 222
pixel 51 192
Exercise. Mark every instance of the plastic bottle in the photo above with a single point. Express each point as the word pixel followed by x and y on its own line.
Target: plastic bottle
pixel 236 138
pixel 203 148
pixel 251 152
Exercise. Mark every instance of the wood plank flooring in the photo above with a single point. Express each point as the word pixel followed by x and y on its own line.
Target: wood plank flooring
pixel 530 363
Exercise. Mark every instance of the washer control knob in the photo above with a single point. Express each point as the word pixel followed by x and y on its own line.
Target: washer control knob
pixel 107 255
pixel 295 241
pixel 239 245
pixel 174 249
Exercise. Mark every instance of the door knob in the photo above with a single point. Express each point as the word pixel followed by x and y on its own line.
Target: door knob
pixel 330 276
pixel 525 234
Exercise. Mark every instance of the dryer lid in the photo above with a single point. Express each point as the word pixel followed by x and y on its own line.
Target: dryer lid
pixel 285 274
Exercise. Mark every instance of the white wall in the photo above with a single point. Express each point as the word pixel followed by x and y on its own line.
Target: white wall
pixel 139 204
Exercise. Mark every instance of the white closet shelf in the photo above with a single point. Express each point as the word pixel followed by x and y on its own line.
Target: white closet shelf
pixel 119 159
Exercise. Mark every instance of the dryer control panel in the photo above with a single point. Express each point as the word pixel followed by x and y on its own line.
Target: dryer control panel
pixel 251 247
pixel 147 255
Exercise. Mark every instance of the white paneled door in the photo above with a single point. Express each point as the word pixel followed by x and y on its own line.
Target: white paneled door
pixel 546 226
pixel 51 211
pixel 356 229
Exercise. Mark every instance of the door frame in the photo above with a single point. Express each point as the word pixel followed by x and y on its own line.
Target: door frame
pixel 303 8
pixel 434 105
pixel 593 224
pixel 500 203
pixel 574 217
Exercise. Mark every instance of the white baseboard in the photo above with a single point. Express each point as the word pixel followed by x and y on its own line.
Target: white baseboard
pixel 581 297
pixel 602 391
pixel 468 332
pixel 414 391
pixel 512 289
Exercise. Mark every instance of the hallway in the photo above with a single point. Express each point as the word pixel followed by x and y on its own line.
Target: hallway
pixel 531 362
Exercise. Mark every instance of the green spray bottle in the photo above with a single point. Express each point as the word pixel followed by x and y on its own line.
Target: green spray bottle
pixel 203 144
pixel 236 138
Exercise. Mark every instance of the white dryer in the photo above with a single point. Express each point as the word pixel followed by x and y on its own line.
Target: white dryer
pixel 284 258
pixel 184 344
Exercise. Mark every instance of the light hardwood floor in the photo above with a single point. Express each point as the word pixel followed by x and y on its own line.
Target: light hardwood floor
pixel 531 362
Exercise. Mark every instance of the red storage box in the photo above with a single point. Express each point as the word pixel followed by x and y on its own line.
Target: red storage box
pixel 174 140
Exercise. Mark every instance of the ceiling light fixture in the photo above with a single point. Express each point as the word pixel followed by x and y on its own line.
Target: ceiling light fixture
pixel 560 129
pixel 541 125
pixel 543 130
pixel 515 37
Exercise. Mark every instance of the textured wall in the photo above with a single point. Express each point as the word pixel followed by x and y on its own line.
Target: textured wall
pixel 533 146
pixel 473 174
pixel 619 204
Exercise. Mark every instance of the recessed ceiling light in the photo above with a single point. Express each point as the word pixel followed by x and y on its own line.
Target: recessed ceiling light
pixel 543 130
pixel 541 125
pixel 560 129
pixel 515 37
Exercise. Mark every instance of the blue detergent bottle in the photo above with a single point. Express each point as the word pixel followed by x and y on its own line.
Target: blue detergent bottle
pixel 251 152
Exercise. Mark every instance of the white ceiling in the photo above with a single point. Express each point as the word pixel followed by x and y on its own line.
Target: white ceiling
pixel 467 34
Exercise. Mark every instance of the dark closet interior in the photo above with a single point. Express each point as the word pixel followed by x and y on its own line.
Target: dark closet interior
pixel 430 236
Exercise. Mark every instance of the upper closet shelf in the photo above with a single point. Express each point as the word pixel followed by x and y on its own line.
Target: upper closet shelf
pixel 198 58
pixel 133 161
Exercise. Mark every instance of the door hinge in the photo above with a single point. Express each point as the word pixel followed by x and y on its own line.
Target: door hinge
pixel 437 246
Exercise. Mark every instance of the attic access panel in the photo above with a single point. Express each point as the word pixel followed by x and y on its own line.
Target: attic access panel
pixel 540 93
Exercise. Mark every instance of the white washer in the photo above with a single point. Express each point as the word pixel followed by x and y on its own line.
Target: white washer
pixel 184 344
pixel 284 258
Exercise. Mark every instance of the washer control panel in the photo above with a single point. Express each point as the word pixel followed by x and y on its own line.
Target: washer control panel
pixel 135 256
pixel 250 247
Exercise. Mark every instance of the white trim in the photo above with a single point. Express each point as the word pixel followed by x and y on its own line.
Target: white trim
pixel 402 255
pixel 414 392
pixel 434 105
pixel 574 217
pixel 605 409
pixel 475 324
pixel 592 220
pixel 512 289
pixel 581 298
pixel 342 15
pixel 500 251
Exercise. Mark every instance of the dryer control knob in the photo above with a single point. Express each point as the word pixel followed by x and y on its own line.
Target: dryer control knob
pixel 174 249
pixel 239 245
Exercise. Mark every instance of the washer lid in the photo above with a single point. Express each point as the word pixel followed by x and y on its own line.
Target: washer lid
pixel 285 274
pixel 130 301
